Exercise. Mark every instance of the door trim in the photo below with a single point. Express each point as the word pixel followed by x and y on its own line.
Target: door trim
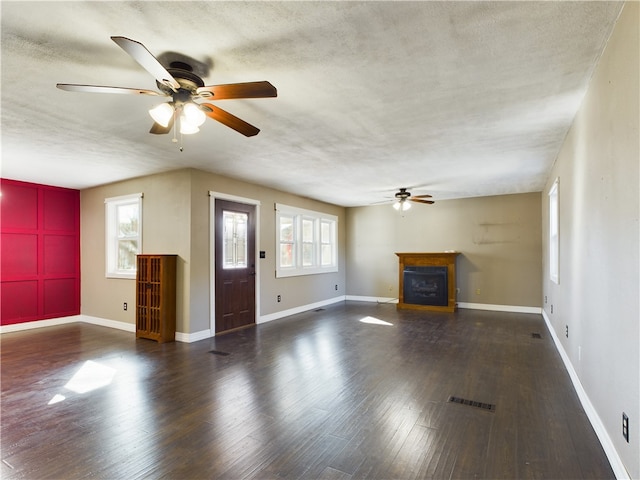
pixel 212 253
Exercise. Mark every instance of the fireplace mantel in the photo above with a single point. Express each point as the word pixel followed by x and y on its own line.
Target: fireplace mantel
pixel 431 259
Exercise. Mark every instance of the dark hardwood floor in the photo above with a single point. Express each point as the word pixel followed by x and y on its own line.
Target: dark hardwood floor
pixel 317 395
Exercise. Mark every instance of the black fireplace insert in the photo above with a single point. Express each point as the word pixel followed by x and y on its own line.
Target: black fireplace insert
pixel 425 285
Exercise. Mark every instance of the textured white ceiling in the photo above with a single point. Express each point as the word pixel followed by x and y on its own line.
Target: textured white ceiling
pixel 456 99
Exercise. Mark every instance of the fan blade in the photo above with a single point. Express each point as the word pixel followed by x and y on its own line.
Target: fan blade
pixel 150 63
pixel 238 90
pixel 421 196
pixel 158 129
pixel 417 200
pixel 229 120
pixel 70 87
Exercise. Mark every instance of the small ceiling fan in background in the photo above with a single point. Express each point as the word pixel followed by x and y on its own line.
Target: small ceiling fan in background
pixel 184 87
pixel 404 198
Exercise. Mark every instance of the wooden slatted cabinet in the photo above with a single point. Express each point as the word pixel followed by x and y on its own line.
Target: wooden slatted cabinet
pixel 156 297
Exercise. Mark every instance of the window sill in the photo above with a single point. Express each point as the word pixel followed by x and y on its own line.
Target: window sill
pixel 128 276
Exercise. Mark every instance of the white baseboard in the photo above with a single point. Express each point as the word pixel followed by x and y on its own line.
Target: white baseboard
pixel 601 432
pixel 104 322
pixel 471 306
pixel 193 337
pixel 300 309
pixel 17 327
pixel 500 308
pixel 129 327
pixel 359 298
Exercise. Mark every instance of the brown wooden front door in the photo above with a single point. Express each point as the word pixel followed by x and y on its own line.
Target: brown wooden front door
pixel 234 265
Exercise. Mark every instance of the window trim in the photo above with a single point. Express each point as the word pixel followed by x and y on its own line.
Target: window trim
pixel 554 232
pixel 111 261
pixel 298 215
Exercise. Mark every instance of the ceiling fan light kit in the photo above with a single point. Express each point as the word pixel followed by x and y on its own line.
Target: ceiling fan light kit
pixel 184 87
pixel 193 115
pixel 402 205
pixel 162 114
pixel 187 128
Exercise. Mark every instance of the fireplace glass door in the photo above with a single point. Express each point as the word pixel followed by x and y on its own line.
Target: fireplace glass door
pixel 425 285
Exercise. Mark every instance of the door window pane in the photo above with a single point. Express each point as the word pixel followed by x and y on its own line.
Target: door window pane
pixel 234 246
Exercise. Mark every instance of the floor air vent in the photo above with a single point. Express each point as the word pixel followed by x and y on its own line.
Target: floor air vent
pixel 217 352
pixel 473 403
pixel 536 335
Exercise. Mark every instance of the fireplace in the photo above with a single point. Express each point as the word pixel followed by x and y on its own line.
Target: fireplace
pixel 428 281
pixel 425 286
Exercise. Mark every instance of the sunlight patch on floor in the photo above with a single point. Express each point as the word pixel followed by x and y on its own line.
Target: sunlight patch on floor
pixel 374 321
pixel 56 399
pixel 91 376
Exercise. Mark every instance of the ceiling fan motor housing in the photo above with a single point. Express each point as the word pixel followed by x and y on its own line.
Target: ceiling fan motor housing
pixel 189 83
pixel 402 194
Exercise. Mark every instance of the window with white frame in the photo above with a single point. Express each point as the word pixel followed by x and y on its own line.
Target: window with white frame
pixel 307 242
pixel 554 228
pixel 124 234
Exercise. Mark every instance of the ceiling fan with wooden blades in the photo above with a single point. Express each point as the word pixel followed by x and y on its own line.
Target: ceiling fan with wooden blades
pixel 186 90
pixel 404 197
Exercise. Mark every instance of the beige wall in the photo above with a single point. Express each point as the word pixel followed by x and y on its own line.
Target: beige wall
pixel 597 297
pixel 499 238
pixel 176 220
pixel 295 291
pixel 165 229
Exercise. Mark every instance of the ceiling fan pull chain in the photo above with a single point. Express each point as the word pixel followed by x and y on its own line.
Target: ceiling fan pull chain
pixel 175 127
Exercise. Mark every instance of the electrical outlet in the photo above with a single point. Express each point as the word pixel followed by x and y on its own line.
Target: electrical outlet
pixel 279 298
pixel 566 332
pixel 336 287
pixel 124 306
pixel 625 426
pixel 477 291
pixel 552 308
pixel 545 299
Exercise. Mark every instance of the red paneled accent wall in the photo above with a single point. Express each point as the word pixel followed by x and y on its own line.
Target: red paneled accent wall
pixel 39 252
